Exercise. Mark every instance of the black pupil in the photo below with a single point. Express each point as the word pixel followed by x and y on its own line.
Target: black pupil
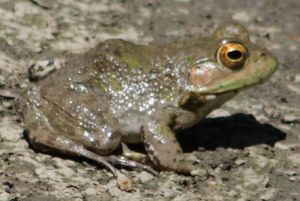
pixel 235 54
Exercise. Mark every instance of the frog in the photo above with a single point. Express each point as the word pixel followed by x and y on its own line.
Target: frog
pixel 120 93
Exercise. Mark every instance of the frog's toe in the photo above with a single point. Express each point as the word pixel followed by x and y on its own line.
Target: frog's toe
pixel 122 161
pixel 133 155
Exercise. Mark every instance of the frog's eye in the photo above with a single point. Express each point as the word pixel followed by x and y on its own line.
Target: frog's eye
pixel 232 55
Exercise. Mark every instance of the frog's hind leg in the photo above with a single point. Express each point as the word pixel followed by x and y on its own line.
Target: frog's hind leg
pixel 52 141
pixel 67 147
pixel 43 137
pixel 55 127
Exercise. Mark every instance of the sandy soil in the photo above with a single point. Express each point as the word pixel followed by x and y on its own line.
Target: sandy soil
pixel 249 148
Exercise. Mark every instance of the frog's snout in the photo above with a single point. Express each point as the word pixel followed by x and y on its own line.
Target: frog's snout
pixel 267 64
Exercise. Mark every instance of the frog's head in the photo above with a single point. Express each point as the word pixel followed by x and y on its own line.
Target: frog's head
pixel 232 64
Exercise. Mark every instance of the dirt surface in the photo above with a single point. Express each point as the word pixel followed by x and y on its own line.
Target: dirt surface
pixel 249 149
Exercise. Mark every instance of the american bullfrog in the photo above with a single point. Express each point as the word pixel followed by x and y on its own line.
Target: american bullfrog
pixel 121 93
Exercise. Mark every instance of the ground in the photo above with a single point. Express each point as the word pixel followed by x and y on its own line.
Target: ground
pixel 249 148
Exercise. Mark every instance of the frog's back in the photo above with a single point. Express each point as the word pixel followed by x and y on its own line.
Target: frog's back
pixel 134 79
pixel 128 81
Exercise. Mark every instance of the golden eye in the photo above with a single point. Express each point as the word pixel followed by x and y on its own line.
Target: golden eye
pixel 232 55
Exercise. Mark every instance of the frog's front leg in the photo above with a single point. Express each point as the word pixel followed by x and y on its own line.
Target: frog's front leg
pixel 163 149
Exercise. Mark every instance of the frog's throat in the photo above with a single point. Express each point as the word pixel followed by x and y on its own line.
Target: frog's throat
pixel 200 98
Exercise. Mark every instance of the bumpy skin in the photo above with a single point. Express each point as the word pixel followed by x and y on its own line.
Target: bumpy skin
pixel 123 92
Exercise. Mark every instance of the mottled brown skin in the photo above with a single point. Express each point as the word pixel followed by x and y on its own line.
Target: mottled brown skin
pixel 123 92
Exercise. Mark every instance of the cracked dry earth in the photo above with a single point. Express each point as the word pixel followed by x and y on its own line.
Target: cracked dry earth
pixel 249 148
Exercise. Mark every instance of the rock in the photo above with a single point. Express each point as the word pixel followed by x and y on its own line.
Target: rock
pixel 199 172
pixel 10 130
pixel 144 176
pixel 297 78
pixel 241 16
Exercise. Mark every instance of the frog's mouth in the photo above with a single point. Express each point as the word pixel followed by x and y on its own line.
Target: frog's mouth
pixel 229 94
pixel 210 97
